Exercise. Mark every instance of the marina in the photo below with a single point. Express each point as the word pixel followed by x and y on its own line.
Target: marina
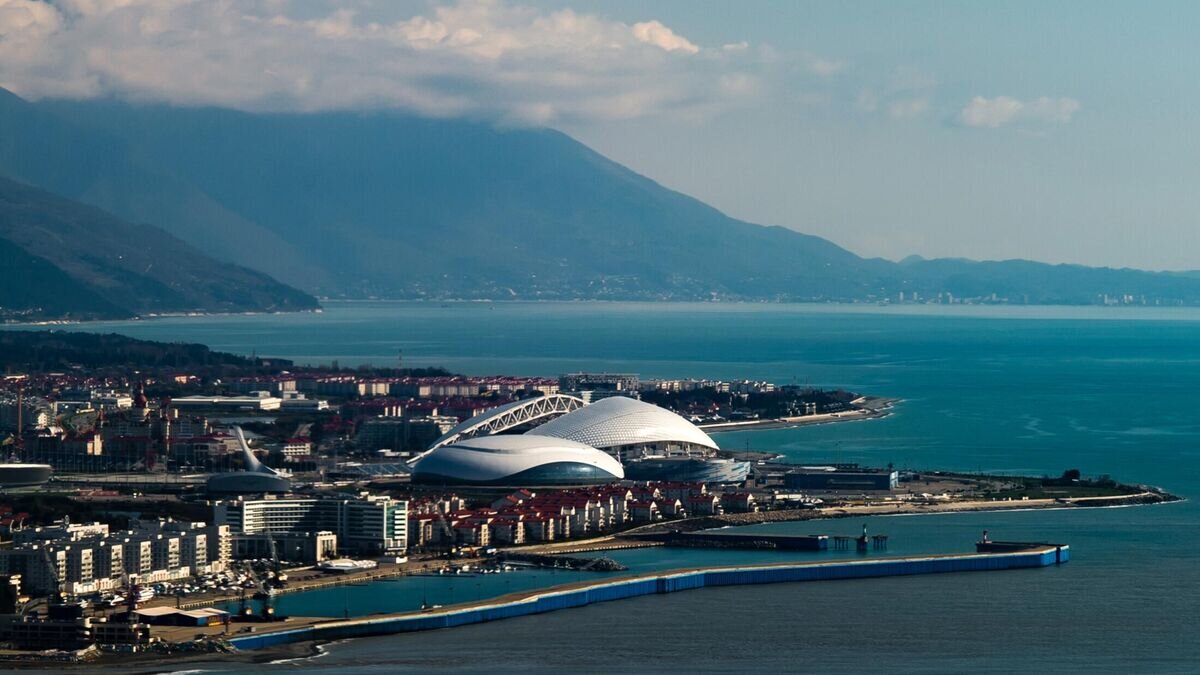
pixel 587 593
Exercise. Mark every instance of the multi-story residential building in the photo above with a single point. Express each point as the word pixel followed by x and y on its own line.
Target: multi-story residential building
pixel 66 531
pixel 294 401
pixel 295 448
pixel 275 385
pixel 138 556
pixel 624 383
pixel 109 560
pixel 165 552
pixel 254 402
pixel 365 524
pixel 84 559
pixel 292 547
pixel 401 433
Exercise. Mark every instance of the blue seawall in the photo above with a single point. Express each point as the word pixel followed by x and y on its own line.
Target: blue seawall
pixel 578 595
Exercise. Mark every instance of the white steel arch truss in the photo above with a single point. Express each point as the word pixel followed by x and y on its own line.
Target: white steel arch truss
pixel 509 416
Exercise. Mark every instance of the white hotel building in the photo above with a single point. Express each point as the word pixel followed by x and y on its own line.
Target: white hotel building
pixel 366 524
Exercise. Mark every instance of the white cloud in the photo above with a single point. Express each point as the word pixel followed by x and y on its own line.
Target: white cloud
pixel 1004 110
pixel 27 18
pixel 654 33
pixel 475 57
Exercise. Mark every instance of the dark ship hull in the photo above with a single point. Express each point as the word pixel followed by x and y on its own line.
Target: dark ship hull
pixel 24 475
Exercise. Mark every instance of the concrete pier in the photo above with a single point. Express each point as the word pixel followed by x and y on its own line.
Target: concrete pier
pixel 586 593
pixel 783 542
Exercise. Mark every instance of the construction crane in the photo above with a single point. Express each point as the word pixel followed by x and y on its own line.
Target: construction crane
pixel 278 575
pixel 267 613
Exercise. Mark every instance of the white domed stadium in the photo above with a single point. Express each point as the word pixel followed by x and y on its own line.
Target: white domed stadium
pixel 627 428
pixel 525 460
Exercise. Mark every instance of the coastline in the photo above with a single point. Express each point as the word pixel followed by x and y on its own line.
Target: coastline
pixel 159 315
pixel 641 537
pixel 299 651
pixel 871 407
pixel 633 538
pixel 981 310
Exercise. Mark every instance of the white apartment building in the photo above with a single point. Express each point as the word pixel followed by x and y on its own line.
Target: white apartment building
pixel 82 559
pixel 365 524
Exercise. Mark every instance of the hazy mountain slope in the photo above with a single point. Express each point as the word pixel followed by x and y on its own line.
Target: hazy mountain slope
pixel 1029 281
pixel 137 268
pixel 32 288
pixel 42 149
pixel 394 205
pixel 413 204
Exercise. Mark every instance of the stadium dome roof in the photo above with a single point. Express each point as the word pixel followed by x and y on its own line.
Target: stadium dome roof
pixel 518 460
pixel 619 420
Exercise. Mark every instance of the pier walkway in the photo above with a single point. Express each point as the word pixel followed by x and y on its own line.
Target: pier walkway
pixel 588 592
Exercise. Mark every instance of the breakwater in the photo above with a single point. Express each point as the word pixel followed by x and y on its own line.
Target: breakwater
pixel 586 593
pixel 566 562
pixel 721 539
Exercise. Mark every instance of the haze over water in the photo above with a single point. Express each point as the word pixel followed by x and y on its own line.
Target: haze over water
pixel 1021 390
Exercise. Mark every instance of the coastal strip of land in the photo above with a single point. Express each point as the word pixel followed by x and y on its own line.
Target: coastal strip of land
pixel 634 538
pixel 306 580
pixel 865 408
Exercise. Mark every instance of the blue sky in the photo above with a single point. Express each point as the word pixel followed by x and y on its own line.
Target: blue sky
pixel 1061 131
pixel 1111 186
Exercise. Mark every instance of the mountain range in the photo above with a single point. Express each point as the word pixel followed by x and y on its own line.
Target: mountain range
pixel 62 259
pixel 360 204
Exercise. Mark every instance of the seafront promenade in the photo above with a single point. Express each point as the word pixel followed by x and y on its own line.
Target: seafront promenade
pixel 589 592
pixel 870 407
pixel 630 538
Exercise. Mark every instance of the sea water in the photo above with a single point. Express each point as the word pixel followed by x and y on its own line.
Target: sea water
pixel 993 389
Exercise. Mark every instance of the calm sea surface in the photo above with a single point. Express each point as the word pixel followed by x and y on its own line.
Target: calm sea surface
pixel 1028 390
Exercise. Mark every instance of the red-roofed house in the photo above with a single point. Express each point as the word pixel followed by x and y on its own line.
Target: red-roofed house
pixel 539 528
pixel 472 533
pixel 704 505
pixel 644 512
pixel 739 502
pixel 508 531
pixel 671 507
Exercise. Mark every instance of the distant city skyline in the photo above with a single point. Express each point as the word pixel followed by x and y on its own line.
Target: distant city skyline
pixel 1051 131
